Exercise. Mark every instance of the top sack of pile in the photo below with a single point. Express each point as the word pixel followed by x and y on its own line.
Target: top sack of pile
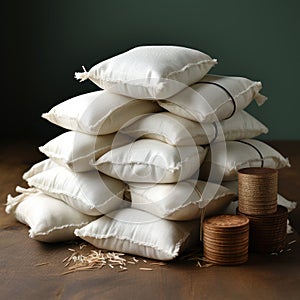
pixel 150 72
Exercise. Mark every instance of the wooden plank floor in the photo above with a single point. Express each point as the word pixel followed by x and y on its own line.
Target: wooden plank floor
pixel 33 270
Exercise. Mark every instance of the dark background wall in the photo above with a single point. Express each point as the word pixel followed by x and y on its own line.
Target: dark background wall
pixel 45 42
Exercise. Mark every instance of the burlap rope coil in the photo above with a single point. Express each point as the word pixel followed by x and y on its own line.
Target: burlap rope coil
pixel 268 233
pixel 257 190
pixel 226 239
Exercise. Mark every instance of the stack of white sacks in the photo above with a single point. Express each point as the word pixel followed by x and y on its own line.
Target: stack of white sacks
pixel 146 157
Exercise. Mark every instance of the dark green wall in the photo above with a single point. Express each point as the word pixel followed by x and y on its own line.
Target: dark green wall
pixel 45 42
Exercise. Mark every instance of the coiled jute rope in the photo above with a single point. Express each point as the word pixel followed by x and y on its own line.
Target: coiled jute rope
pixel 257 190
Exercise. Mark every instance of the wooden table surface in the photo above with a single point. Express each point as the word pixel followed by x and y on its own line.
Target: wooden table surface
pixel 33 270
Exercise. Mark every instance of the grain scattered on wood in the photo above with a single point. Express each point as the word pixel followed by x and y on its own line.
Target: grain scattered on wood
pixel 90 259
pixel 160 263
pixel 42 264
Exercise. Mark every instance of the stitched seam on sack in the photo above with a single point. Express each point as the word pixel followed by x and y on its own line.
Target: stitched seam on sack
pixel 187 66
pixel 178 165
pixel 235 165
pixel 252 131
pixel 255 84
pixel 108 81
pixel 130 82
pixel 142 163
pixel 58 228
pixel 145 244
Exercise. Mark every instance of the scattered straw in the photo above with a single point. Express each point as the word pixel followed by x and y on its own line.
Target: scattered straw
pixel 158 263
pixel 42 264
pixel 197 256
pixel 122 270
pixel 86 259
pixel 81 246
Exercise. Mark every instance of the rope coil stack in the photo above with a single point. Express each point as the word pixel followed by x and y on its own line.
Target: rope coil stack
pixel 257 190
pixel 226 239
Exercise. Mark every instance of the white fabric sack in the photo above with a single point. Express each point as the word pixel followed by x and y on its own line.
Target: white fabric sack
pixel 181 201
pixel 99 112
pixel 208 102
pixel 179 131
pixel 139 233
pixel 49 219
pixel 90 192
pixel 152 161
pixel 224 159
pixel 290 205
pixel 75 150
pixel 150 72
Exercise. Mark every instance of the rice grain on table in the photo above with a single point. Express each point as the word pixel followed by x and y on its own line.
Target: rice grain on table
pixel 97 259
